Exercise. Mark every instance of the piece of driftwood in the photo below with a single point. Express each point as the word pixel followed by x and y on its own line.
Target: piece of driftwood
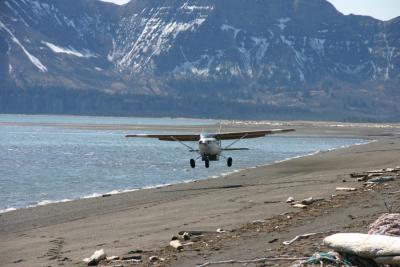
pixel 345 189
pixel 358 175
pixel 299 205
pixel 250 261
pixel 197 232
pixel 288 242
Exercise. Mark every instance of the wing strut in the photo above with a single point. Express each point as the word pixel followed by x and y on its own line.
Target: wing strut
pixel 191 149
pixel 234 142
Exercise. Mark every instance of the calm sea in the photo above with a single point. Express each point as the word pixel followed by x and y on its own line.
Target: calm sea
pixel 41 165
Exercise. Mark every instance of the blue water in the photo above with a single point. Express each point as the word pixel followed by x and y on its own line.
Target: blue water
pixel 40 164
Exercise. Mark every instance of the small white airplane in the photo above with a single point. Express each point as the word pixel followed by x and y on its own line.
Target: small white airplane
pixel 210 147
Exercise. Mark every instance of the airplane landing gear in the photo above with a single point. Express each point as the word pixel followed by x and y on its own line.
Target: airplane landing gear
pixel 192 163
pixel 229 162
pixel 207 163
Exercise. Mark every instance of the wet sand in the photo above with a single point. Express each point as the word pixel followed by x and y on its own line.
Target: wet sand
pixel 65 233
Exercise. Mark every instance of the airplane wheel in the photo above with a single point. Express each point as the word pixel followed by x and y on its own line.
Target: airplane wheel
pixel 192 163
pixel 207 163
pixel 229 162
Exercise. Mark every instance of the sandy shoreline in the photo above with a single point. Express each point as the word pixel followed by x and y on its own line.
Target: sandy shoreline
pixel 146 219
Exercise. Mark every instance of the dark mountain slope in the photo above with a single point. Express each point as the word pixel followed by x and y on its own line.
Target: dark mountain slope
pixel 293 59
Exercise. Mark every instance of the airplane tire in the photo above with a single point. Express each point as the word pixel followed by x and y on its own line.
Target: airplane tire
pixel 229 162
pixel 207 163
pixel 192 163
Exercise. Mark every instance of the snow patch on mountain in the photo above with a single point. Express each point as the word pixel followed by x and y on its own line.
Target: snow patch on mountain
pixel 18 17
pixel 317 44
pixel 35 61
pixel 263 46
pixel 191 8
pixel 282 23
pixel 155 36
pixel 69 51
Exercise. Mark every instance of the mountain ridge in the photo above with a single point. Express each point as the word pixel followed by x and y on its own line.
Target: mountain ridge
pixel 323 66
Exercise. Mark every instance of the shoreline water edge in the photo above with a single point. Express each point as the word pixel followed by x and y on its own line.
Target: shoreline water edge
pixel 224 174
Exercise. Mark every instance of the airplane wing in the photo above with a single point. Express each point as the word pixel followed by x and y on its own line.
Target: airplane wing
pixel 169 137
pixel 250 134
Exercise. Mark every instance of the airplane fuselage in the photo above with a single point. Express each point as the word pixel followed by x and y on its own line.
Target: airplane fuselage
pixel 209 148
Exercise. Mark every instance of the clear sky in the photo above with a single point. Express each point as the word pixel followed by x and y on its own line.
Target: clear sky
pixel 380 9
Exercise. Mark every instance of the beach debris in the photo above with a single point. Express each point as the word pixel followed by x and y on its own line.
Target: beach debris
pixel 369 175
pixel 97 256
pixel 106 195
pixel 299 205
pixel 112 258
pixel 131 257
pixel 290 200
pixel 308 201
pixel 194 232
pixel 260 260
pixel 357 175
pixel 155 258
pixel 258 222
pixel 386 224
pixel 333 258
pixel 330 257
pixel 303 203
pixel 380 179
pixel 364 245
pixel 176 244
pixel 298 237
pixel 219 230
pixel 185 236
pixel 272 201
pixel 346 189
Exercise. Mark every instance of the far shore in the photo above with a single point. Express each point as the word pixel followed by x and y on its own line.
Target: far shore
pixel 146 219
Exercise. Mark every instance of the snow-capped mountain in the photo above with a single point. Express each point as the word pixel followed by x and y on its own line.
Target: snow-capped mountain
pixel 259 58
